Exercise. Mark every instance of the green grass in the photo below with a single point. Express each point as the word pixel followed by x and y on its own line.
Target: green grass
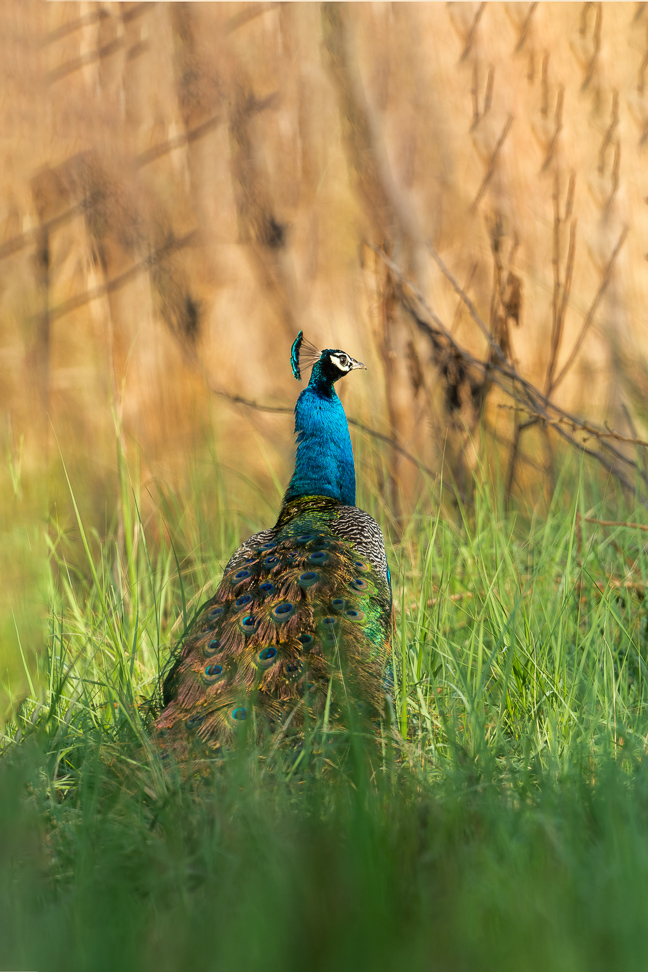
pixel 507 829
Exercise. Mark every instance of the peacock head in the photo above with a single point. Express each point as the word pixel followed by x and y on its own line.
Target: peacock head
pixel 329 365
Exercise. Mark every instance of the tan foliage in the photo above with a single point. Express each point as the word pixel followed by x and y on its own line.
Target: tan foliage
pixel 186 185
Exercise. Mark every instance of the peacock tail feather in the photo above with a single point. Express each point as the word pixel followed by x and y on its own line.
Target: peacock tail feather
pixel 300 627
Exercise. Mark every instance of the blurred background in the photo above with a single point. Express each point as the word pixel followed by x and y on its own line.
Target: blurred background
pixel 186 185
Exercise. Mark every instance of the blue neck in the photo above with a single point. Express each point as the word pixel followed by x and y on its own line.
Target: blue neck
pixel 324 462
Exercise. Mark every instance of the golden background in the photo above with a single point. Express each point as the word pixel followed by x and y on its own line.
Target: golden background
pixel 185 186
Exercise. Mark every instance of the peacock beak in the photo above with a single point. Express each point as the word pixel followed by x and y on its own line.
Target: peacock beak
pixel 356 364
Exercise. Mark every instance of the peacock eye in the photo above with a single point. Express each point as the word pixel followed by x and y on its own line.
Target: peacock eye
pixel 344 360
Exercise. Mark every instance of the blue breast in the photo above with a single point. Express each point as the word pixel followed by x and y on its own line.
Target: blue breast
pixel 324 462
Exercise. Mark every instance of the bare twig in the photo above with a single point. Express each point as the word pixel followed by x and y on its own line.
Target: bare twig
pixel 633 429
pixel 493 159
pixel 466 287
pixel 464 297
pixel 591 430
pixel 544 85
pixel 137 10
pixel 531 394
pixel 525 28
pixel 561 291
pixel 609 135
pixel 73 25
pixel 616 523
pixel 16 243
pixel 111 285
pixel 288 410
pixel 557 129
pixel 184 138
pixel 587 323
pixel 614 175
pixel 600 457
pixel 249 12
pixel 597 40
pixel 470 36
pixel 504 441
pixel 504 375
pixel 69 67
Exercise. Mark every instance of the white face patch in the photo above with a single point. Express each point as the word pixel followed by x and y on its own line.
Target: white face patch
pixel 341 361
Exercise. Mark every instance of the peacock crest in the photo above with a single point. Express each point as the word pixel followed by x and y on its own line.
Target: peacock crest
pixel 300 625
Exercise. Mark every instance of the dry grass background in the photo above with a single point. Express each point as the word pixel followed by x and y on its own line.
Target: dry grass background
pixel 184 186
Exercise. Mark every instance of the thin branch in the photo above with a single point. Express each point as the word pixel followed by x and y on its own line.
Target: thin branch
pixel 493 160
pixel 557 129
pixel 458 289
pixel 137 10
pixel 503 374
pixel 633 429
pixel 69 67
pixel 597 43
pixel 16 243
pixel 249 12
pixel 525 28
pixel 73 25
pixel 532 395
pixel 591 430
pixel 593 308
pixel 89 295
pixel 603 460
pixel 285 410
pixel 609 135
pixel 184 138
pixel 569 271
pixel 560 299
pixel 504 441
pixel 615 523
pixel 11 246
pixel 471 33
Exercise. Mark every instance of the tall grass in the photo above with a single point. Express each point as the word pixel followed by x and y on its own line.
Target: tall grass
pixel 507 825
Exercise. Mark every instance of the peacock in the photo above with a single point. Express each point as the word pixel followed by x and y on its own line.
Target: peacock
pixel 299 631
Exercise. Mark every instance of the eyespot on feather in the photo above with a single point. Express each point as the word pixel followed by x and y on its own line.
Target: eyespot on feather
pixel 308 578
pixel 213 673
pixel 266 657
pixel 212 647
pixel 266 588
pixel 216 612
pixel 318 557
pixel 283 611
pixel 302 539
pixel 249 624
pixel 354 615
pixel 241 575
pixel 339 603
pixel 239 714
pixel 242 601
pixel 329 628
pixel 358 584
